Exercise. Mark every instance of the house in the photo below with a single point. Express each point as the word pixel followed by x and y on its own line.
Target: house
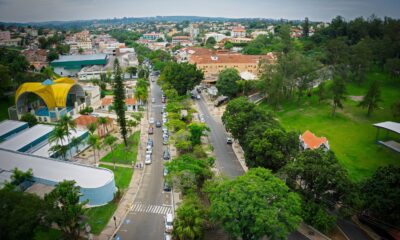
pixel 152 36
pixel 130 103
pixel 238 32
pixel 83 121
pixel 309 141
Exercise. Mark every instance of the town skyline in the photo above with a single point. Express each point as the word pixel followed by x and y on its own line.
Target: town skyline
pixel 22 11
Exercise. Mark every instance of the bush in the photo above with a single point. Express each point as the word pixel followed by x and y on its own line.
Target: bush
pixel 30 119
pixel 316 215
pixel 198 152
pixel 86 111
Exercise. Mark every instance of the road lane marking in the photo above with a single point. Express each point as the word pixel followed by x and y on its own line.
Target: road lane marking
pixel 156 209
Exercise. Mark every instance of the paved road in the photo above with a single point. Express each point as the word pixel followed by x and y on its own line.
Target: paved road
pixel 226 160
pixel 352 231
pixel 146 218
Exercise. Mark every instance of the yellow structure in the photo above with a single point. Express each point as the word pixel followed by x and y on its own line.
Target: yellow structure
pixel 53 93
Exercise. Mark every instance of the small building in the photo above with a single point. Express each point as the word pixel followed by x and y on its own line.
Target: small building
pixel 238 32
pixel 309 141
pixel 70 65
pixel 83 121
pixel 388 141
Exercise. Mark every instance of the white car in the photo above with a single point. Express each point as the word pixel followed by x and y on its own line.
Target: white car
pixel 164 129
pixel 164 120
pixel 153 100
pixel 151 120
pixel 149 151
pixel 169 220
pixel 147 159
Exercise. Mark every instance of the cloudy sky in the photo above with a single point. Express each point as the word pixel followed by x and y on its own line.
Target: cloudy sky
pixel 325 10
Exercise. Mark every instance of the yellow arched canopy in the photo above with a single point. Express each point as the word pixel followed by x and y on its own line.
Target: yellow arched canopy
pixel 54 93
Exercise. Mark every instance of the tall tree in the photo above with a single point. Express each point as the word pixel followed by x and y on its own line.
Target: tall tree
pixel 56 138
pixel 372 98
pixel 68 124
pixel 65 209
pixel 119 101
pixel 227 83
pixel 94 141
pixel 103 122
pixel 338 93
pixel 190 219
pixel 382 193
pixel 254 205
pixel 321 92
pixel 110 141
pixel 306 27
pixel 197 130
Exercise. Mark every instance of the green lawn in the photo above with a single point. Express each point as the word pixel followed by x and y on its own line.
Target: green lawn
pixel 47 234
pixel 122 155
pixel 99 216
pixel 122 176
pixel 350 134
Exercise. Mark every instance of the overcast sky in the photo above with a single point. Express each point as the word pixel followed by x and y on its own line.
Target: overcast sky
pixel 325 10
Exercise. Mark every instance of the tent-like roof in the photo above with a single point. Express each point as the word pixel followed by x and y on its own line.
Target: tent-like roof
pixel 54 93
pixel 391 126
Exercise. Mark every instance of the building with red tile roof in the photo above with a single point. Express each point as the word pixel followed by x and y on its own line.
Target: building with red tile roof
pixel 84 120
pixel 309 141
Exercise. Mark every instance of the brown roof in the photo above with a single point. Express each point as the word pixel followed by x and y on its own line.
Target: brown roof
pixel 107 101
pixel 312 141
pixel 130 101
pixel 180 38
pixel 85 120
pixel 238 29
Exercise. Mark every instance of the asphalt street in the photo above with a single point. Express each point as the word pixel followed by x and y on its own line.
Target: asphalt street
pixel 146 218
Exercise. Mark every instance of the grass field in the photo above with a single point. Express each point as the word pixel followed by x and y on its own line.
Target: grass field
pixel 350 133
pixel 99 216
pixel 122 155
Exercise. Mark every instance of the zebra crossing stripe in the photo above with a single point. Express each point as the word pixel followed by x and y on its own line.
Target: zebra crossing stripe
pixel 151 209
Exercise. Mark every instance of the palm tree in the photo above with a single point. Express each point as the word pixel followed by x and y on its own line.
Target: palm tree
pixel 103 122
pixel 69 125
pixel 57 137
pixel 59 149
pixel 95 143
pixel 109 141
pixel 92 128
pixel 75 143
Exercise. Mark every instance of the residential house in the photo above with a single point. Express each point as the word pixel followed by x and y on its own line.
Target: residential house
pixel 238 32
pixel 309 141
pixel 83 121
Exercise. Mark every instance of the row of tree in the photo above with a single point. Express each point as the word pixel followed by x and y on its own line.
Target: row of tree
pixel 322 182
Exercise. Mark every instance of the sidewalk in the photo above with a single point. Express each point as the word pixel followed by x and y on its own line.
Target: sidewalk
pixel 129 196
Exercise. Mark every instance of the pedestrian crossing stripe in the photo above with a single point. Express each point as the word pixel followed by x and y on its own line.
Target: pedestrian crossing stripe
pixel 156 209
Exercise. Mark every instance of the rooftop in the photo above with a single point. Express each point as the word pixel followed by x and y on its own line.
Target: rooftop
pixel 74 58
pixel 392 126
pixel 312 141
pixel 55 170
pixel 26 137
pixel 7 126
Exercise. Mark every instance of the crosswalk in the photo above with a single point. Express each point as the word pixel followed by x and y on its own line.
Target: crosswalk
pixel 138 207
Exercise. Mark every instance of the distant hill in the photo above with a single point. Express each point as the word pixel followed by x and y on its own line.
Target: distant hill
pixel 125 20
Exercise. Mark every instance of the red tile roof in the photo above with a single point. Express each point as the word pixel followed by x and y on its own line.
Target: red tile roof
pixel 85 120
pixel 107 101
pixel 130 101
pixel 312 141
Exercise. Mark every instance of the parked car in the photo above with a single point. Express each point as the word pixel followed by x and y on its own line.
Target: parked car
pixel 165 135
pixel 151 120
pixel 149 149
pixel 169 220
pixel 166 155
pixel 164 129
pixel 229 140
pixel 153 100
pixel 150 142
pixel 150 131
pixel 167 237
pixel 165 141
pixel 158 124
pixel 163 100
pixel 202 119
pixel 166 187
pixel 147 159
pixel 164 120
pixel 198 97
pixel 165 171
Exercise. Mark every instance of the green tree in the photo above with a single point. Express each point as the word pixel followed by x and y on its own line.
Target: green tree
pixel 182 141
pixel 182 77
pixel 57 137
pixel 80 50
pixel 210 42
pixel 381 195
pixel 318 175
pixel 197 130
pixel 30 119
pixel 94 142
pixel 392 66
pixel 272 149
pixel 372 98
pixel 21 214
pixel 254 205
pixel 68 124
pixel 306 27
pixel 227 83
pixel 5 80
pixel 228 45
pixel 132 71
pixel 360 60
pixel 103 121
pixel 190 219
pixel 110 141
pixel 52 55
pixel 338 93
pixel 188 173
pixel 321 92
pixel 119 101
pixel 284 35
pixel 316 215
pixel 65 209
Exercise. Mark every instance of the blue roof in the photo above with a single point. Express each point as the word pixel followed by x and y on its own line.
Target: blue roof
pixel 47 82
